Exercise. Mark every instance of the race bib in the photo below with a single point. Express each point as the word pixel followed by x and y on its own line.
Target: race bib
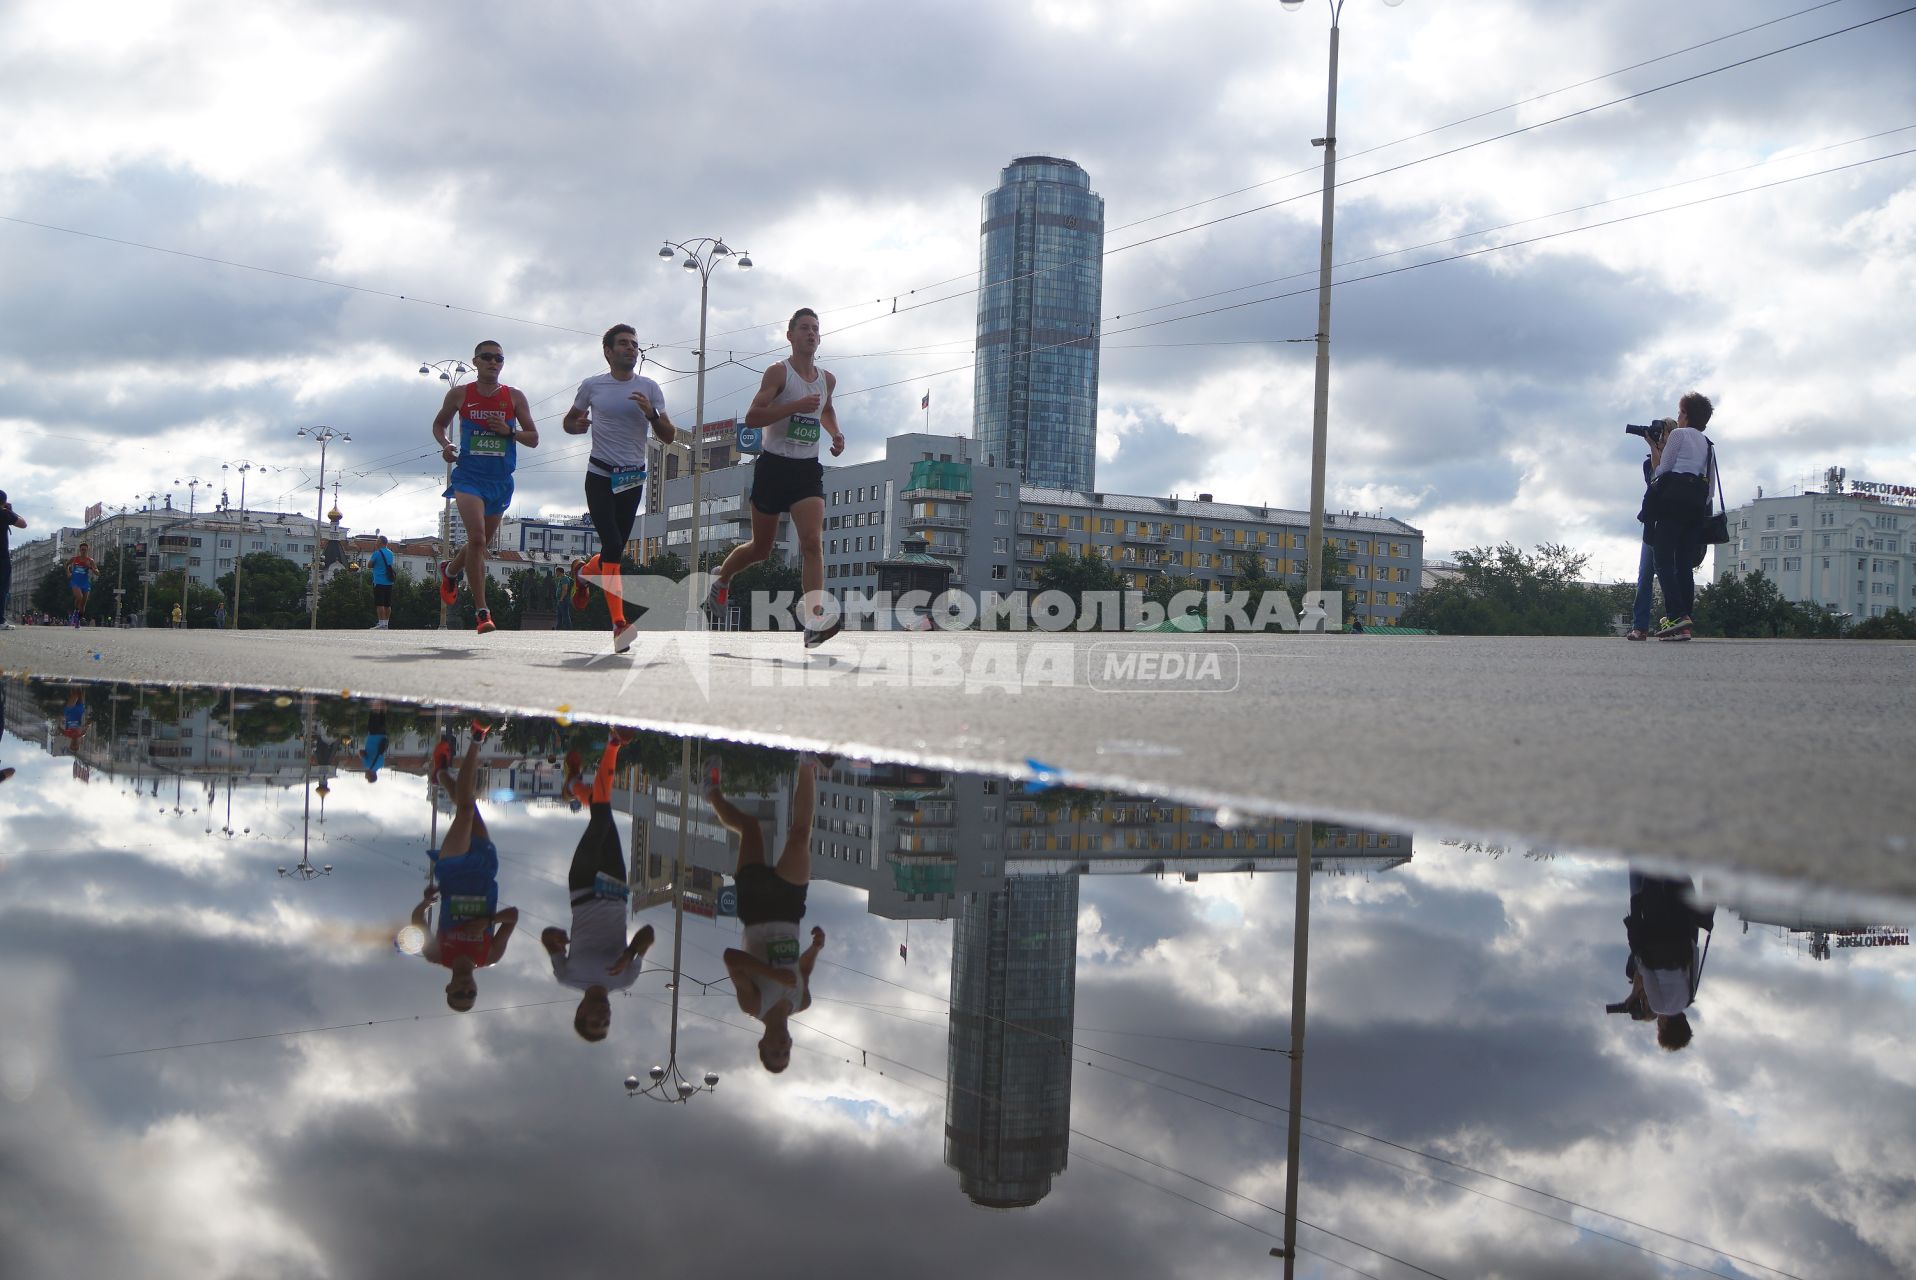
pixel 462 907
pixel 625 478
pixel 604 886
pixel 781 953
pixel 484 444
pixel 801 429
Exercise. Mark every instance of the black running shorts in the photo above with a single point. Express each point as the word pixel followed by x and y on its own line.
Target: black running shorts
pixel 764 895
pixel 780 483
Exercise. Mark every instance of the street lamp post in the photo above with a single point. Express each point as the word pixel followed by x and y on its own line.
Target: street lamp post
pixel 239 538
pixel 1321 391
pixel 450 372
pixel 325 436
pixel 701 255
pixel 192 484
pixel 1314 581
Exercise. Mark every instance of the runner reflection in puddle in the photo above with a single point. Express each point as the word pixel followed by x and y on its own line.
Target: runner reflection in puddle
pixel 73 722
pixel 770 975
pixel 473 929
pixel 373 754
pixel 596 957
pixel 1665 967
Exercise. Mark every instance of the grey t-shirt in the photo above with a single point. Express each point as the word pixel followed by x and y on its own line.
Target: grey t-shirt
pixel 619 427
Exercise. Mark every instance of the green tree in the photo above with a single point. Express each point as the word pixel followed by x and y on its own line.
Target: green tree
pixel 346 602
pixel 1502 591
pixel 1893 625
pixel 1163 588
pixel 1078 576
pixel 1744 606
pixel 51 594
pixel 766 579
pixel 272 591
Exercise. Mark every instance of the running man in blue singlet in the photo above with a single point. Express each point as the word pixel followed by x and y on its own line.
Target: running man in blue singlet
pixel 494 420
pixel 80 578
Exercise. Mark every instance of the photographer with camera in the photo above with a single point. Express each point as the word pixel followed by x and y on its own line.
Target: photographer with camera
pixel 1676 508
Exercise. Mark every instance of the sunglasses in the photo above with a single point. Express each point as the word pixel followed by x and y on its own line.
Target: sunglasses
pixel 487 355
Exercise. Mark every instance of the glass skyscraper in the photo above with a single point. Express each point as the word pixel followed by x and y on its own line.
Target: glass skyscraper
pixel 1041 279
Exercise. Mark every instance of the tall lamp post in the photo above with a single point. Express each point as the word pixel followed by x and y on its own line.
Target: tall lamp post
pixel 450 372
pixel 192 484
pixel 239 538
pixel 1314 581
pixel 325 436
pixel 700 255
pixel 1321 393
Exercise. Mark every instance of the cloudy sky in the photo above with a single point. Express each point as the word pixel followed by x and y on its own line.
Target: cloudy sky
pixel 396 183
pixel 1456 1009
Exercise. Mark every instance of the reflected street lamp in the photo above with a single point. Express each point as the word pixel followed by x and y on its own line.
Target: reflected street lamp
pixel 1314 581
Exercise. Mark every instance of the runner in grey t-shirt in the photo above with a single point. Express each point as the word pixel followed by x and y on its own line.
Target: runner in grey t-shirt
pixel 618 408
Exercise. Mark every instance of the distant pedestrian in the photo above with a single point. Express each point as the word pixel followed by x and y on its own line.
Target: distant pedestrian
pixel 9 521
pixel 179 617
pixel 561 602
pixel 381 564
pixel 1677 507
pixel 219 615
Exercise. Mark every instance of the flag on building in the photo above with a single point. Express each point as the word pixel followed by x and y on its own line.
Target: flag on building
pixel 901 951
pixel 926 402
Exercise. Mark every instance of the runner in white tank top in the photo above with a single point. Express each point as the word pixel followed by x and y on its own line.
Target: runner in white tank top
pixel 794 407
pixel 771 977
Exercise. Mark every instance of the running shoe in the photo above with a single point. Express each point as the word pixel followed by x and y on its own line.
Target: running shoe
pixel 1636 634
pixel 485 622
pixel 1669 629
pixel 715 596
pixel 622 633
pixel 448 586
pixel 581 590
pixel 815 638
pixel 480 729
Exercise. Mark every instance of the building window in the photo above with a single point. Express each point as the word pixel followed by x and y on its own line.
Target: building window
pixel 1001 518
pixel 1792 564
pixel 1792 522
pixel 1001 546
pixel 998 572
pixel 1769 522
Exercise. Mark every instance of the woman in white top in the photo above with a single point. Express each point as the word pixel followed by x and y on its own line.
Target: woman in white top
pixel 770 975
pixel 1677 507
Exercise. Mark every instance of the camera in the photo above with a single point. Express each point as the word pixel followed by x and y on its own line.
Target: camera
pixel 1653 432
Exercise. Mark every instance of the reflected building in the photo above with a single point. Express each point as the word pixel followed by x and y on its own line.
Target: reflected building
pixel 1008 1067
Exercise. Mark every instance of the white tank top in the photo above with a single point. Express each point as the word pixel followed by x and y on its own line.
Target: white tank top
pixel 797 436
pixel 776 943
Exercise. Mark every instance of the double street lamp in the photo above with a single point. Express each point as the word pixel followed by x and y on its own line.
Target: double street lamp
pixel 325 436
pixel 239 537
pixel 700 255
pixel 1314 581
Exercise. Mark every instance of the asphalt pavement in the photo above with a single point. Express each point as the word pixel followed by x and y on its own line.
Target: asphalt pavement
pixel 1791 758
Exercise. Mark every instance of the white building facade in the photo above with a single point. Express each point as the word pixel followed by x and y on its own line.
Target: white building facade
pixel 1849 548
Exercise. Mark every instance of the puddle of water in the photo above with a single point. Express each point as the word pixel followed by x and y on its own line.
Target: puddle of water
pixel 1045 1027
